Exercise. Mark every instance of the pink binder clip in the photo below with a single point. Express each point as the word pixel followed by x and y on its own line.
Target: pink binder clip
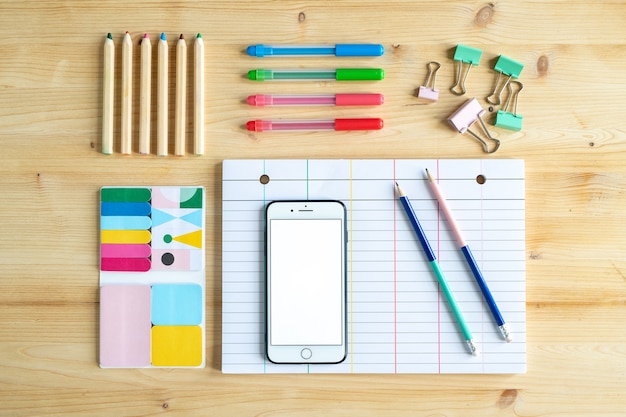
pixel 465 116
pixel 428 91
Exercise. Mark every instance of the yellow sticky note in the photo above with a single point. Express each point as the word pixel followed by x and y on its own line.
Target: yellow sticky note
pixel 176 345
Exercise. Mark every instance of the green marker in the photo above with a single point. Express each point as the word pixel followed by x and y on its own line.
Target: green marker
pixel 339 74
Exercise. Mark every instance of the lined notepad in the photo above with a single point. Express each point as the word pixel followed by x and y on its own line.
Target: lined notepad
pixel 398 319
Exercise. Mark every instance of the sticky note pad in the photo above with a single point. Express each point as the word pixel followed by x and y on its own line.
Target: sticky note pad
pixel 152 276
pixel 177 304
pixel 125 325
pixel 177 345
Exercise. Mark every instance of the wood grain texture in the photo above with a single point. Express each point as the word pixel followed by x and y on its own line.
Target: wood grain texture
pixel 51 168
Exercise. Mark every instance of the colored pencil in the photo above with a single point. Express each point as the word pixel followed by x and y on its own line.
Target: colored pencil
pixel 467 253
pixel 127 94
pixel 162 97
pixel 108 95
pixel 144 106
pixel 432 260
pixel 199 96
pixel 181 97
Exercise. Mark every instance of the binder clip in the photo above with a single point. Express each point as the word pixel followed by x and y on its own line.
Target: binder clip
pixel 428 91
pixel 505 118
pixel 465 116
pixel 505 66
pixel 469 56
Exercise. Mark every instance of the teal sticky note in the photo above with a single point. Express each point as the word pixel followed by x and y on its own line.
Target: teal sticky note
pixel 467 54
pixel 176 304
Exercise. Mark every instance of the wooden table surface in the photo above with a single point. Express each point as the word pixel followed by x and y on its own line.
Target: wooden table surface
pixel 51 168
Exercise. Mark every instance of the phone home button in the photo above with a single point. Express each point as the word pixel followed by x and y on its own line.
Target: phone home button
pixel 306 353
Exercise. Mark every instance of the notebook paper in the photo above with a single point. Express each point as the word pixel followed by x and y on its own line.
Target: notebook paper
pixel 398 319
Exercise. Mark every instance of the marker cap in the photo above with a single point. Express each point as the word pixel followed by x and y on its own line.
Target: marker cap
pixel 356 49
pixel 359 99
pixel 359 124
pixel 359 74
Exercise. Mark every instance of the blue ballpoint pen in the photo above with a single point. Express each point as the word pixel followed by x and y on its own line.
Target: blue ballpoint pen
pixel 341 49
pixel 432 260
pixel 469 258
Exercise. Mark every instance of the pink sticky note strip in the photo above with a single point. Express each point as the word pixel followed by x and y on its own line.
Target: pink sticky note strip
pixel 125 326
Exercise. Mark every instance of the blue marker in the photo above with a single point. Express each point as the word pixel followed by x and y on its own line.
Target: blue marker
pixel 343 49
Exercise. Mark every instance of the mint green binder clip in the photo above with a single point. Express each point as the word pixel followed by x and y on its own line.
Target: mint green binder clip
pixel 506 66
pixel 471 57
pixel 505 118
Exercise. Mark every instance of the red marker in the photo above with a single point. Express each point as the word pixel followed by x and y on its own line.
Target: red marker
pixel 332 124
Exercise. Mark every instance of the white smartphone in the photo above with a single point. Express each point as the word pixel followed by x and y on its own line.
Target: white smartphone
pixel 305 249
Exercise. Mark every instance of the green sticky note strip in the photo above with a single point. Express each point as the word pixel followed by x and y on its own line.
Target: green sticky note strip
pixel 508 66
pixel 467 54
pixel 508 120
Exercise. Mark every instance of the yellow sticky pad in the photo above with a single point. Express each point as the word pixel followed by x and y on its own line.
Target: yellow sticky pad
pixel 176 346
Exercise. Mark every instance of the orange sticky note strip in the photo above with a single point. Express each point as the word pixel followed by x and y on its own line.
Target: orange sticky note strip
pixel 176 345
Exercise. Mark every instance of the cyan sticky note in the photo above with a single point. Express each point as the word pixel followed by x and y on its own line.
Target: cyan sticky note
pixel 176 304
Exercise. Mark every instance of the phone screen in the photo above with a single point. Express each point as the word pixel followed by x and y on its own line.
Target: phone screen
pixel 306 282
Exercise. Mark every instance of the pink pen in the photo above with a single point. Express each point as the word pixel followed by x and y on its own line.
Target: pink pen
pixel 332 124
pixel 316 100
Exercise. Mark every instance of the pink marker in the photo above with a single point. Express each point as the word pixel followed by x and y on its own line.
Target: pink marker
pixel 332 124
pixel 316 100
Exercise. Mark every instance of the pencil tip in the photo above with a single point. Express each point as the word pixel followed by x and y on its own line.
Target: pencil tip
pixel 146 36
pixel 199 36
pixel 128 33
pixel 163 37
pixel 430 177
pixel 109 36
pixel 181 36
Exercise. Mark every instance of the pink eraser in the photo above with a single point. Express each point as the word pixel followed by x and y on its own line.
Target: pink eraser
pixel 466 115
